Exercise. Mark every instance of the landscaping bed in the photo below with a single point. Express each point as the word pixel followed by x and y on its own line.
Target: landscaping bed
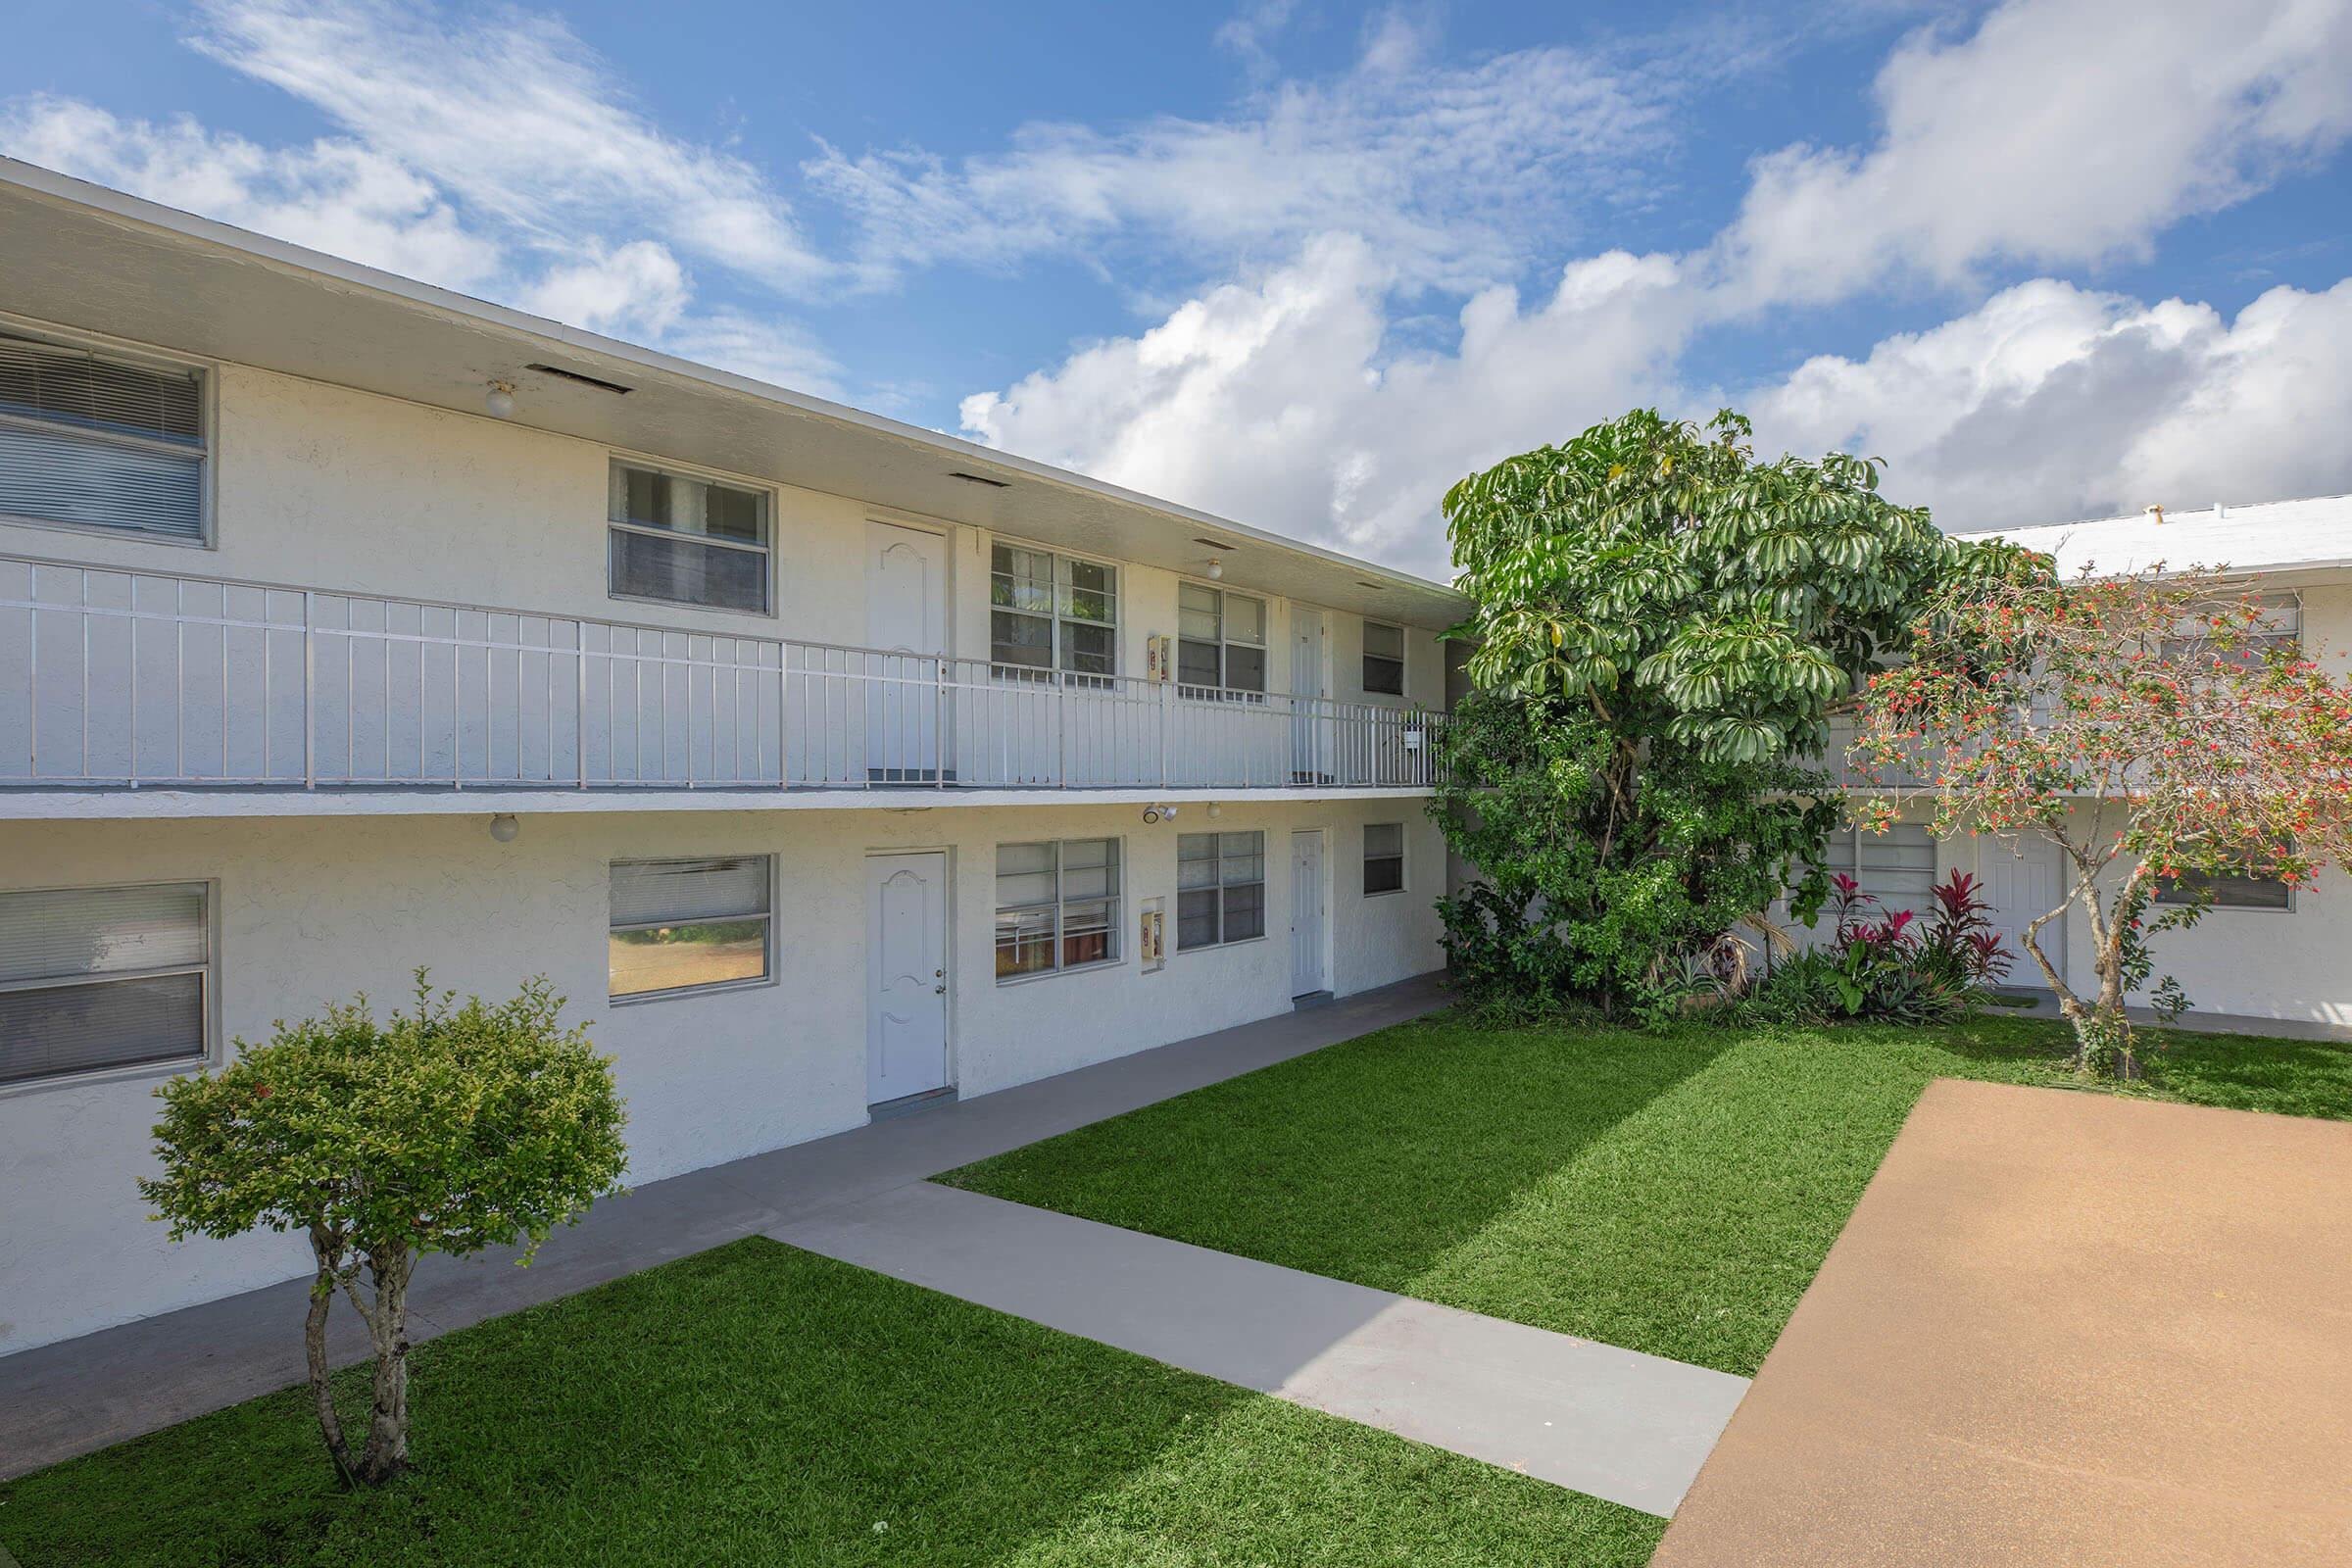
pixel 1670 1192
pixel 761 1404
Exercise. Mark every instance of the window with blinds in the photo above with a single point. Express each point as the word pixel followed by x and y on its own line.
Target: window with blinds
pixel 1383 858
pixel 1898 867
pixel 89 441
pixel 100 978
pixel 1220 888
pixel 1049 611
pixel 1384 659
pixel 1058 906
pixel 687 541
pixel 687 925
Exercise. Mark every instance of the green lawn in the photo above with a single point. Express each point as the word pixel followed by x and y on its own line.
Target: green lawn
pixel 759 1404
pixel 1673 1194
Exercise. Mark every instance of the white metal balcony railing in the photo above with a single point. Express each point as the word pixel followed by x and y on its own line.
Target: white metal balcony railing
pixel 113 676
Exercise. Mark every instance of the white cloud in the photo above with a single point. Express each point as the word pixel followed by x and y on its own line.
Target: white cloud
pixel 1272 400
pixel 1453 172
pixel 2051 402
pixel 2060 131
pixel 513 114
pixel 638 288
pixel 333 195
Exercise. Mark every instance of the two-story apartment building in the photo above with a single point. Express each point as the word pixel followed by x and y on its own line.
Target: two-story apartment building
pixel 829 764
pixel 2265 952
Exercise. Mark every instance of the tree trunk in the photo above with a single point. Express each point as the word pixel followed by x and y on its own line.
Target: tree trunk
pixel 314 1345
pixel 387 1450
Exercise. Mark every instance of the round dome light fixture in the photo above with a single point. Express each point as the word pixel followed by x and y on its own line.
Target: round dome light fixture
pixel 505 826
pixel 1216 569
pixel 501 401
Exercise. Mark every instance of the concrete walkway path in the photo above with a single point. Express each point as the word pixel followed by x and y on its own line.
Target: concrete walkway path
pixel 2060 1328
pixel 1620 1425
pixel 61 1399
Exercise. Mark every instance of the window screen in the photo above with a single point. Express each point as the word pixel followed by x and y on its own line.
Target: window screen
pixel 1384 659
pixel 1058 906
pixel 1383 858
pixel 101 977
pixel 91 442
pixel 1220 888
pixel 687 541
pixel 680 925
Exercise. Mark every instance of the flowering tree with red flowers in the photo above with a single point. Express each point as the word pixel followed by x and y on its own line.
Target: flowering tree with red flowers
pixel 2157 727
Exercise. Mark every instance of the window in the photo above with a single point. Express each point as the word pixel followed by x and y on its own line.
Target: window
pixel 93 978
pixel 1058 906
pixel 2250 889
pixel 92 442
pixel 686 925
pixel 1220 639
pixel 1384 657
pixel 2280 626
pixel 1898 867
pixel 1220 888
pixel 1049 613
pixel 1383 858
pixel 687 541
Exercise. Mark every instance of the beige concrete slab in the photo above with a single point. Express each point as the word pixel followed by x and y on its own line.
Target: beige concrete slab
pixel 2060 1329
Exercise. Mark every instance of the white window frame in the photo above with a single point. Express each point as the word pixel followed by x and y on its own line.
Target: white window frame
pixel 1117 901
pixel 2286 627
pixel 1009 670
pixel 1219 888
pixel 1365 662
pixel 1225 644
pixel 1853 838
pixel 2164 895
pixel 141 357
pixel 207 1011
pixel 767 918
pixel 1399 857
pixel 615 461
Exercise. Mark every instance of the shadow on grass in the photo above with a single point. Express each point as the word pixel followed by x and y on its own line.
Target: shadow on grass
pixel 759 1404
pixel 1367 1161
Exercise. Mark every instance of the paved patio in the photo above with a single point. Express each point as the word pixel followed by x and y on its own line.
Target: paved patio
pixel 2060 1328
pixel 78 1395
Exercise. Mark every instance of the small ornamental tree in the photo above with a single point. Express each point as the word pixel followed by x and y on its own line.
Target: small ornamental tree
pixel 444 1130
pixel 1663 628
pixel 2154 727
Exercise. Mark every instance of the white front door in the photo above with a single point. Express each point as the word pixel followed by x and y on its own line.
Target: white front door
pixel 2024 881
pixel 1307 913
pixel 907 626
pixel 1310 755
pixel 907 975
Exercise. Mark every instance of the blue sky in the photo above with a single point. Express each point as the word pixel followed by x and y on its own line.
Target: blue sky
pixel 1306 263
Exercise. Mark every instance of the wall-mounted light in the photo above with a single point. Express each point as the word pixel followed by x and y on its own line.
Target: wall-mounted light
pixel 1215 811
pixel 1216 569
pixel 1160 813
pixel 501 401
pixel 505 826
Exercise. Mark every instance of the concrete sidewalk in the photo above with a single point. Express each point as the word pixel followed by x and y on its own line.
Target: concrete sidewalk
pixel 1617 1424
pixel 78 1395
pixel 2060 1328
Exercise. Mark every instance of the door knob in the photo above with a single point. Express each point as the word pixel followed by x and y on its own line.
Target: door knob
pixel 940 990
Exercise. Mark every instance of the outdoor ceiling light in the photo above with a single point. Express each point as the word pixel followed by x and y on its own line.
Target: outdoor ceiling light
pixel 1216 569
pixel 501 401
pixel 505 826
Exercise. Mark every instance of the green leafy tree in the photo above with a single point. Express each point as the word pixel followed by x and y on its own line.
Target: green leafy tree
pixel 1663 628
pixel 444 1130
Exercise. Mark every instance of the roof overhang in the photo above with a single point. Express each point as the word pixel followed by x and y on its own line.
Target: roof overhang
pixel 81 255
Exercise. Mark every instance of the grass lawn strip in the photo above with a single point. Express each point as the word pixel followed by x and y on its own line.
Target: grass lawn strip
pixel 1673 1194
pixel 761 1404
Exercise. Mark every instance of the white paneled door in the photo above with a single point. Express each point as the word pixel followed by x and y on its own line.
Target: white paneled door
pixel 907 975
pixel 2024 881
pixel 1310 741
pixel 1307 973
pixel 907 623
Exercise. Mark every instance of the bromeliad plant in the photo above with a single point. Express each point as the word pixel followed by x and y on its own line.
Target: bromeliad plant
pixel 444 1130
pixel 2156 726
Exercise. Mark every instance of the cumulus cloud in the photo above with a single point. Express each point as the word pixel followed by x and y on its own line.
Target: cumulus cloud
pixel 2051 402
pixel 2059 131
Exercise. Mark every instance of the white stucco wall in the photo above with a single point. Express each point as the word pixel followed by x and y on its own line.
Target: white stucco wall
pixel 311 910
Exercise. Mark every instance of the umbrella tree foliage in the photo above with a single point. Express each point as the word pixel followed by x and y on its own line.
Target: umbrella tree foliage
pixel 1663 628
pixel 2157 726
